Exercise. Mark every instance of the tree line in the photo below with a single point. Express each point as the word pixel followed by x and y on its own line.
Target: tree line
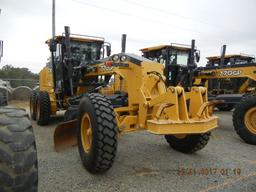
pixel 19 76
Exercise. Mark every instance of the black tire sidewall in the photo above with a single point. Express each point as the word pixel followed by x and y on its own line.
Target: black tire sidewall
pixel 88 159
pixel 22 144
pixel 33 105
pixel 3 99
pixel 239 117
pixel 189 144
pixel 44 114
pixel 184 144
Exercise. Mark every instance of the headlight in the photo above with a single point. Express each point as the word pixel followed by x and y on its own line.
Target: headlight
pixel 115 58
pixel 123 58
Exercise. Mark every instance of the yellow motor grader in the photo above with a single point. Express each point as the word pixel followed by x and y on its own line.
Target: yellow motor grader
pixel 229 78
pixel 105 97
pixel 232 78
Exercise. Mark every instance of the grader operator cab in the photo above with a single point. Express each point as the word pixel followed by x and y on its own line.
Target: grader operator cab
pixel 60 78
pixel 232 78
pixel 136 98
pixel 179 61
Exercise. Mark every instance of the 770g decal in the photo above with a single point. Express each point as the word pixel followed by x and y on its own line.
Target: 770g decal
pixel 230 73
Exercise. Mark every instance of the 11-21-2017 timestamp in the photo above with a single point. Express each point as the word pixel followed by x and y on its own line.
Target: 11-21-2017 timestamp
pixel 206 171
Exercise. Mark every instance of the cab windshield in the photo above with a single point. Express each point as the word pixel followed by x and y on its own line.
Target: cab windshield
pixel 176 57
pixel 85 51
pixel 179 58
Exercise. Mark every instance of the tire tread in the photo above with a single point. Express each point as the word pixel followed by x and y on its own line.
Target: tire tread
pixel 45 108
pixel 18 156
pixel 238 119
pixel 106 133
pixel 190 144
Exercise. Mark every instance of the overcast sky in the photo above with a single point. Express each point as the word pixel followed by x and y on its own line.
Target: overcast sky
pixel 26 24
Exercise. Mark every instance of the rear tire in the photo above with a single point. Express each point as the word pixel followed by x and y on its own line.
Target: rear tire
pixel 32 104
pixel 225 107
pixel 43 109
pixel 246 104
pixel 3 99
pixel 103 145
pixel 18 156
pixel 190 143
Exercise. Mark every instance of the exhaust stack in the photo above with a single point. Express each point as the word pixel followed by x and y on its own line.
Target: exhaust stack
pixel 192 53
pixel 223 53
pixel 123 43
pixel 68 50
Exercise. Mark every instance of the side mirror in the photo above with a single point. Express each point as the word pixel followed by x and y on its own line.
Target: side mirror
pixel 108 48
pixel 197 56
pixel 53 46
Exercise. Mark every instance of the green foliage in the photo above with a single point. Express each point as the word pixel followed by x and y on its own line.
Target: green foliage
pixel 23 75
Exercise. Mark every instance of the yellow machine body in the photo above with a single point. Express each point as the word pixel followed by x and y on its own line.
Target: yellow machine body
pixel 155 107
pixel 152 106
pixel 230 72
pixel 46 84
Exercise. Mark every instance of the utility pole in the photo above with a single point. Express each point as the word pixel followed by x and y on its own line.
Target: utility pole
pixel 53 18
pixel 53 45
pixel 1 45
pixel 1 49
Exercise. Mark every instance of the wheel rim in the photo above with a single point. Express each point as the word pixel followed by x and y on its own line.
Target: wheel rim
pixel 250 120
pixel 86 132
pixel 180 136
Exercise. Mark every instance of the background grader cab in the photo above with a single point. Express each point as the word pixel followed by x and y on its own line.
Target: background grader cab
pixel 179 62
pixel 232 78
pixel 106 97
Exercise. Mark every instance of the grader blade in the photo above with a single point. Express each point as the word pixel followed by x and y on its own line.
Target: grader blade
pixel 65 135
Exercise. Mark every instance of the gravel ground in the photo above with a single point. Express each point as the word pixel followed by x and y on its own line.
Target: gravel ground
pixel 145 162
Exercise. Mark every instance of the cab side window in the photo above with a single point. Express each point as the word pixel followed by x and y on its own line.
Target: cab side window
pixel 58 52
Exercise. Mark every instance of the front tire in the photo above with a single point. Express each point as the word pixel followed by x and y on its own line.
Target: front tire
pixel 244 119
pixel 188 143
pixel 3 99
pixel 97 133
pixel 18 156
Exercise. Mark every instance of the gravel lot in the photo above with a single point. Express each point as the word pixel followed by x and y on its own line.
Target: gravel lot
pixel 145 162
